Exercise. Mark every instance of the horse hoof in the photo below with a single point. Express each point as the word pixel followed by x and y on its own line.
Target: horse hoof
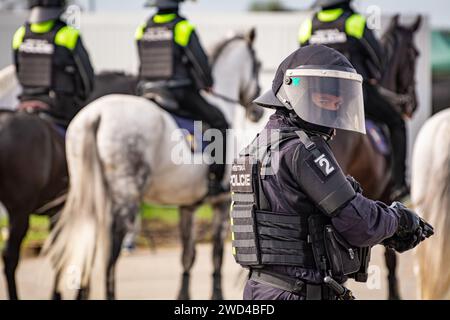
pixel 395 296
pixel 57 296
pixel 183 296
pixel 217 295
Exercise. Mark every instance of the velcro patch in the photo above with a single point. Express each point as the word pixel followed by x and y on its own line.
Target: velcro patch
pixel 242 175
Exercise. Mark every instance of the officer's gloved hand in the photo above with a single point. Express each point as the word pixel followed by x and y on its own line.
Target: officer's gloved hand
pixel 355 184
pixel 412 230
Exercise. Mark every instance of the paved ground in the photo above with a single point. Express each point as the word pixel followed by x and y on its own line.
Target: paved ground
pixel 156 275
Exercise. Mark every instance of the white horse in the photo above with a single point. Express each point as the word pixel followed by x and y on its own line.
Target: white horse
pixel 120 152
pixel 9 87
pixel 430 193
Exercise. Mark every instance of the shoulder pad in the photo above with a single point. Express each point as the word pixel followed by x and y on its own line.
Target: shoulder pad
pixel 355 25
pixel 140 31
pixel 18 37
pixel 67 37
pixel 305 32
pixel 183 32
pixel 321 177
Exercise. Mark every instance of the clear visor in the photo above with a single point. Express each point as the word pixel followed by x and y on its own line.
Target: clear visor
pixel 327 98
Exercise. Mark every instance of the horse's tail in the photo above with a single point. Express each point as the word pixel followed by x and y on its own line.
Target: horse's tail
pixel 433 203
pixel 79 244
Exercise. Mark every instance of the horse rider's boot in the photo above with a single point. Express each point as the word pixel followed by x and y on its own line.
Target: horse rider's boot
pixel 217 171
pixel 400 189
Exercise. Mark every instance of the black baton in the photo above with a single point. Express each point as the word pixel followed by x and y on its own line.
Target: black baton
pixel 342 292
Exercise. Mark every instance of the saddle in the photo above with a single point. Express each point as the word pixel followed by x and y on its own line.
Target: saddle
pixel 41 109
pixel 184 120
pixel 379 136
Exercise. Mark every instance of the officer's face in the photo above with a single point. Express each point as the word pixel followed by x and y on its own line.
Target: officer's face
pixel 327 101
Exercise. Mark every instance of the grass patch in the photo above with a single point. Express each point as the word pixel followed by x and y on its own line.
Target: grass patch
pixel 166 216
pixel 170 215
pixel 36 235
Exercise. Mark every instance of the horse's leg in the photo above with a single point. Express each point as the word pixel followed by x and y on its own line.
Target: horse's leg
pixel 118 236
pixel 56 295
pixel 187 232
pixel 83 293
pixel 391 263
pixel 220 227
pixel 18 227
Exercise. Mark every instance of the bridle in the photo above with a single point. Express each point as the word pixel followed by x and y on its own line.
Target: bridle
pixel 256 66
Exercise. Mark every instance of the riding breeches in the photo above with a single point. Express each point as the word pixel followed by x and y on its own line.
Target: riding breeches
pixel 378 109
pixel 192 101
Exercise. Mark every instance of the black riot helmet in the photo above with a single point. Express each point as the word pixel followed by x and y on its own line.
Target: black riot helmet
pixel 45 10
pixel 329 3
pixel 321 87
pixel 164 4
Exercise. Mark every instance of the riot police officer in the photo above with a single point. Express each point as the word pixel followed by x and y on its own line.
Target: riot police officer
pixel 299 224
pixel 339 27
pixel 52 64
pixel 172 57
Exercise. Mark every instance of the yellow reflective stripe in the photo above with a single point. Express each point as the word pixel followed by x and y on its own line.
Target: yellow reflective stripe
pixel 232 236
pixel 305 31
pixel 42 27
pixel 355 25
pixel 330 15
pixel 140 31
pixel 232 221
pixel 183 31
pixel 164 18
pixel 18 37
pixel 234 251
pixel 67 37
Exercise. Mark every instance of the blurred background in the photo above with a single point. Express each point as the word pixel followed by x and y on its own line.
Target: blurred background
pixel 108 28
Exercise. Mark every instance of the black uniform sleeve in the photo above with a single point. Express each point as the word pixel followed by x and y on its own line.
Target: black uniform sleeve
pixel 84 68
pixel 361 221
pixel 199 61
pixel 320 177
pixel 364 222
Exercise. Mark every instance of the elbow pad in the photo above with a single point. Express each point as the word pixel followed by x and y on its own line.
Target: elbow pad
pixel 321 178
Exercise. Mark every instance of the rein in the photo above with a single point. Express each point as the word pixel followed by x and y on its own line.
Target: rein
pixel 224 98
pixel 255 68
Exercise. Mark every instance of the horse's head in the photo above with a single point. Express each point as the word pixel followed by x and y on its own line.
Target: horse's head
pixel 401 62
pixel 234 60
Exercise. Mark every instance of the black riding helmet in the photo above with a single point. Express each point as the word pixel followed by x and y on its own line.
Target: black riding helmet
pixel 45 10
pixel 329 3
pixel 164 4
pixel 321 87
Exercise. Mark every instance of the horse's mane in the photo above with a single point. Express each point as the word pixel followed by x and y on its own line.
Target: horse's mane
pixel 219 47
pixel 388 41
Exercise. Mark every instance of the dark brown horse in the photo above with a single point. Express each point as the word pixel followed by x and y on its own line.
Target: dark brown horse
pixel 356 153
pixel 33 171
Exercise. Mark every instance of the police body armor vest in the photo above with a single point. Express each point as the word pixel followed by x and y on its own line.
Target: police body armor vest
pixel 331 34
pixel 36 59
pixel 261 237
pixel 157 49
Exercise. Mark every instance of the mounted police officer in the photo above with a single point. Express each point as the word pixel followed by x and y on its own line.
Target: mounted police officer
pixel 52 64
pixel 299 224
pixel 172 57
pixel 339 27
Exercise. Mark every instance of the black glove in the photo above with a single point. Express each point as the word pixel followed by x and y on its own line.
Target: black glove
pixel 411 230
pixel 355 184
